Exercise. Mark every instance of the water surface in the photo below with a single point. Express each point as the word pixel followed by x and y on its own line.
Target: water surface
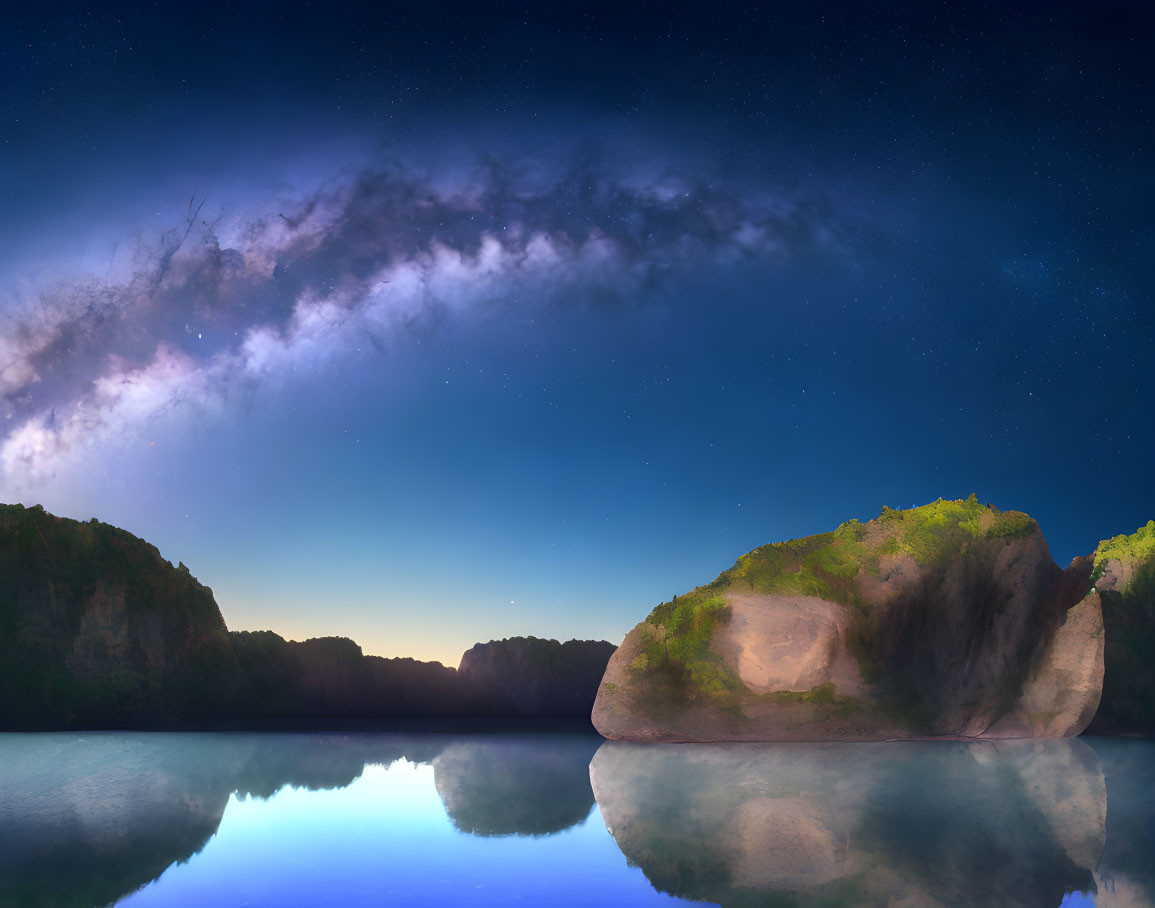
pixel 498 819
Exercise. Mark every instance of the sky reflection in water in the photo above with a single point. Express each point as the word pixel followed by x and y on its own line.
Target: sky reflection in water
pixel 386 839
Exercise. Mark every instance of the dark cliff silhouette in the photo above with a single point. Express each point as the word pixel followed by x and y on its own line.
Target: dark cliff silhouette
pixel 526 676
pixel 98 630
pixel 330 677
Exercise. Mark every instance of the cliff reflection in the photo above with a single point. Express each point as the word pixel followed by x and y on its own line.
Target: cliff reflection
pixel 1126 871
pixel 531 785
pixel 1017 823
pixel 86 820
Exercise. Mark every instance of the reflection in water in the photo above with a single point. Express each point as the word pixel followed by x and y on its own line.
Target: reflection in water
pixel 317 819
pixel 85 820
pixel 516 785
pixel 1126 871
pixel 1012 823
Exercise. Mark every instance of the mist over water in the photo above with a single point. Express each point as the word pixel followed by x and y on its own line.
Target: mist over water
pixel 366 819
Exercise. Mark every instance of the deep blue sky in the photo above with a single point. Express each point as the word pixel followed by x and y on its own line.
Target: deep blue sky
pixel 519 321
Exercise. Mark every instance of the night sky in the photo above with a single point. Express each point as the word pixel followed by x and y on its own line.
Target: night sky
pixel 502 320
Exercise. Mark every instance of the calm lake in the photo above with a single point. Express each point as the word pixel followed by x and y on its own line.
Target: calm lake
pixel 567 819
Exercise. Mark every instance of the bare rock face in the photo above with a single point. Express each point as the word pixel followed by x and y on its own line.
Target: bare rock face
pixel 1062 693
pixel 912 823
pixel 946 620
pixel 787 643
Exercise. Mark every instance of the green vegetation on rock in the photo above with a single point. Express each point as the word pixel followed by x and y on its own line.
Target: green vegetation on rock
pixel 1136 549
pixel 1128 701
pixel 676 653
pixel 823 565
pixel 945 528
pixel 677 648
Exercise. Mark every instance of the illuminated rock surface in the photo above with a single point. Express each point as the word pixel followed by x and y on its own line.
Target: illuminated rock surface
pixel 946 620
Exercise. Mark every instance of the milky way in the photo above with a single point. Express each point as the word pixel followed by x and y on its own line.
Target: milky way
pixel 430 324
pixel 211 308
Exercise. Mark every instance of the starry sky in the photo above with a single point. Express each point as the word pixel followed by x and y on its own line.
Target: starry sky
pixel 433 325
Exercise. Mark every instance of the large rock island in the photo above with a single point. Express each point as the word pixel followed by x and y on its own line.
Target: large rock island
pixel 950 619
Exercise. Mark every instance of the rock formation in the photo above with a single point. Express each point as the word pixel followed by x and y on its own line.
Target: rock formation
pixel 1124 579
pixel 98 630
pixel 946 620
pixel 525 676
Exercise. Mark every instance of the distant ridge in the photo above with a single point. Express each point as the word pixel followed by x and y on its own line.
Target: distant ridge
pixel 525 676
pixel 98 630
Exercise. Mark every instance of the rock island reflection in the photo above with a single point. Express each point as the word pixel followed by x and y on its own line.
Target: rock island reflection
pixel 935 823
